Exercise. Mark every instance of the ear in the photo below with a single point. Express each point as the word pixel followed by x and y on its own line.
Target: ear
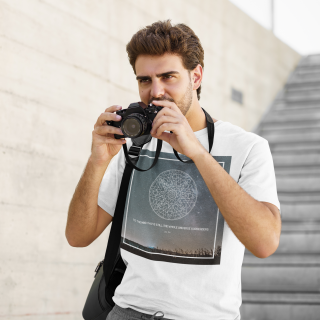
pixel 196 76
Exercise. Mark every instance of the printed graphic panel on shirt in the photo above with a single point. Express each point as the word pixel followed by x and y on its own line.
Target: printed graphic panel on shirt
pixel 170 214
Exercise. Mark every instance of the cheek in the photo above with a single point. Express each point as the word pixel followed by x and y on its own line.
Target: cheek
pixel 177 90
pixel 143 93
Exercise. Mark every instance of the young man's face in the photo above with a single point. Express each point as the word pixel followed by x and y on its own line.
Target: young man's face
pixel 164 78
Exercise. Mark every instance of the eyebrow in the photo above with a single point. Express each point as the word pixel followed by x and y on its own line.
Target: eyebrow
pixel 157 75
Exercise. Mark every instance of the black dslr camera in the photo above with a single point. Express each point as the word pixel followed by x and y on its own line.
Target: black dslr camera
pixel 136 120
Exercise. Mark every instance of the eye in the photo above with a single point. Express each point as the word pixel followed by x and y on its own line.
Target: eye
pixel 168 76
pixel 144 80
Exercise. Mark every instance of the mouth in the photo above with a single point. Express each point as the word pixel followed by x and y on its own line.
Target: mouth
pixel 160 99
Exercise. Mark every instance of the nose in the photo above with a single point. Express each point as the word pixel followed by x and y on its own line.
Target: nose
pixel 157 89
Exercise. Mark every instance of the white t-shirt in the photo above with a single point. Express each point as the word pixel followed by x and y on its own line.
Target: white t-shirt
pixel 182 257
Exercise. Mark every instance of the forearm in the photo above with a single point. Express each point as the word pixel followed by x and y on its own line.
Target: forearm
pixel 82 214
pixel 250 220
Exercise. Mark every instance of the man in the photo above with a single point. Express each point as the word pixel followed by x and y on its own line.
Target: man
pixel 186 225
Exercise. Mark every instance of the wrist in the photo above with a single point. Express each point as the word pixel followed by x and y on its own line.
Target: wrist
pixel 200 154
pixel 99 164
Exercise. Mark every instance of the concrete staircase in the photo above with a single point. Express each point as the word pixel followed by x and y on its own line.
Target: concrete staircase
pixel 286 285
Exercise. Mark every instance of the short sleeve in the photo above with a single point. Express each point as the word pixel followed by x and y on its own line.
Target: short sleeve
pixel 257 176
pixel 110 184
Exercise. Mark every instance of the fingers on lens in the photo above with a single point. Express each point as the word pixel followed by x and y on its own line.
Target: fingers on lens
pixel 103 130
pixel 113 108
pixel 108 116
pixel 115 141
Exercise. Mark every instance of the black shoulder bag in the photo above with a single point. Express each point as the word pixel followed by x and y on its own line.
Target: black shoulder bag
pixel 109 272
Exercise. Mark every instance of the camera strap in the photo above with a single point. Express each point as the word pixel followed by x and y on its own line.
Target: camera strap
pixel 112 254
pixel 210 127
pixel 138 149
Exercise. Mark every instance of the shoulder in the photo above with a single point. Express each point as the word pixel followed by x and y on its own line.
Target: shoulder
pixel 234 133
pixel 233 140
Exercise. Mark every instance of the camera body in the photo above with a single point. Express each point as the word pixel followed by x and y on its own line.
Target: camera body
pixel 136 120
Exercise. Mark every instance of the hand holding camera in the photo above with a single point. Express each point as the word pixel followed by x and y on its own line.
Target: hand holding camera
pixel 116 124
pixel 172 126
pixel 136 120
pixel 104 145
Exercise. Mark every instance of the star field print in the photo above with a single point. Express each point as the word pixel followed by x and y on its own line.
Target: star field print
pixel 173 194
pixel 170 214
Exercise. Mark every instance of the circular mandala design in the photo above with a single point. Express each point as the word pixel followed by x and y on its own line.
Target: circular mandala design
pixel 173 194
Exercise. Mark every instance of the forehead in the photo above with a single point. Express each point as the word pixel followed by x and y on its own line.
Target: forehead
pixel 148 65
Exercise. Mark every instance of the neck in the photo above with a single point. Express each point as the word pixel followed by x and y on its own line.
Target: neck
pixel 196 117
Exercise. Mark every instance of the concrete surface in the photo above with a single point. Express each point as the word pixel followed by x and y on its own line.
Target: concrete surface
pixel 61 64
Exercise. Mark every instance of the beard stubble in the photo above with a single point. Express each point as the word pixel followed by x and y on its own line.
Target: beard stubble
pixel 183 104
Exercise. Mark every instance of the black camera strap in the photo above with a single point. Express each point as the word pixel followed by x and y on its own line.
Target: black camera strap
pixel 210 127
pixel 138 149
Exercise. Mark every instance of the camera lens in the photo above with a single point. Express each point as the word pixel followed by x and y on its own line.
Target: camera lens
pixel 134 125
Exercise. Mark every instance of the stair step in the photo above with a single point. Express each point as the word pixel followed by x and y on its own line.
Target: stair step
pixel 294 150
pixel 280 105
pixel 296 101
pixel 290 260
pixel 280 129
pixel 310 60
pixel 311 87
pixel 297 171
pixel 302 95
pixel 303 102
pixel 296 197
pixel 299 211
pixel 281 278
pixel 307 76
pixel 298 184
pixel 307 69
pixel 299 242
pixel 302 85
pixel 295 147
pixel 294 124
pixel 274 137
pixel 287 160
pixel 301 227
pixel 272 297
pixel 305 112
pixel 280 306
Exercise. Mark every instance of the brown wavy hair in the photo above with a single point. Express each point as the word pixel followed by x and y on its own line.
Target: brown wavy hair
pixel 162 37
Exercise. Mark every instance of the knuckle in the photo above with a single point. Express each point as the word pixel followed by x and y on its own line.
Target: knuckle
pixel 100 130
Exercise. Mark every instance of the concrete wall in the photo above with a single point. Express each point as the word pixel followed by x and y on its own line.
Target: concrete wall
pixel 61 64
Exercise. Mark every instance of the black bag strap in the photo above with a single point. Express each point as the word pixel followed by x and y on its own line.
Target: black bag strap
pixel 210 127
pixel 115 232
